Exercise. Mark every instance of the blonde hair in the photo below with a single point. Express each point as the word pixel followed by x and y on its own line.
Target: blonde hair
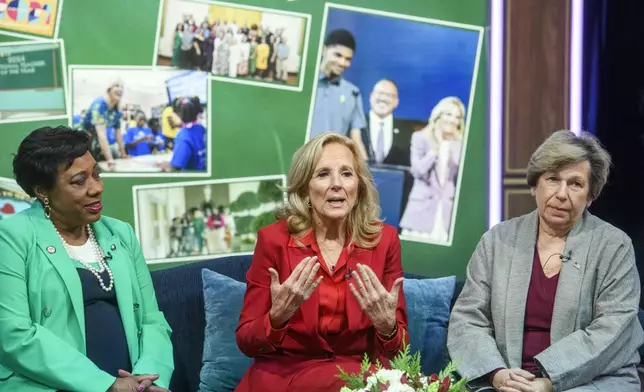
pixel 564 148
pixel 438 110
pixel 363 221
pixel 115 81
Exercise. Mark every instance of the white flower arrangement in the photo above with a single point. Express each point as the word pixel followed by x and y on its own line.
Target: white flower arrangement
pixel 404 376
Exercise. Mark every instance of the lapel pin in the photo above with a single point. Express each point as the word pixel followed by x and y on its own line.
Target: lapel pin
pixel 342 99
pixel 113 247
pixel 396 130
pixel 576 265
pixel 51 249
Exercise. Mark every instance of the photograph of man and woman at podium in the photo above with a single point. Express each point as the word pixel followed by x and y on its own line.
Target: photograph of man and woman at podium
pixel 401 88
pixel 143 122
pixel 200 219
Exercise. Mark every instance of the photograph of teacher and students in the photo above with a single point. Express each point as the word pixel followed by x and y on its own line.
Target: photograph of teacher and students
pixel 405 112
pixel 138 124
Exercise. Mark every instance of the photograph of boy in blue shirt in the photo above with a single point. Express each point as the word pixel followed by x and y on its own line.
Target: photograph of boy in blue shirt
pixel 138 139
pixel 159 141
pixel 190 144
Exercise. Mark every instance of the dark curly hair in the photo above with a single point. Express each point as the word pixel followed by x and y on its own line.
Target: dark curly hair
pixel 342 37
pixel 41 154
pixel 189 109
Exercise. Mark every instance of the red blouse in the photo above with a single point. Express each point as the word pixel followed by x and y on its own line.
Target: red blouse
pixel 332 296
pixel 331 291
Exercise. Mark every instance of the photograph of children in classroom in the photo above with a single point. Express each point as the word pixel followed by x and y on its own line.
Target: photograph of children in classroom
pixel 143 120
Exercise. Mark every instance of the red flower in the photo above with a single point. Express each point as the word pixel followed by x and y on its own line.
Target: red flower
pixel 445 384
pixel 383 386
pixel 432 378
pixel 369 372
pixel 404 379
pixel 7 209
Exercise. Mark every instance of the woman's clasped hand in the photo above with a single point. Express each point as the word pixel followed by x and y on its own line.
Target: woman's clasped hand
pixel 128 382
pixel 519 380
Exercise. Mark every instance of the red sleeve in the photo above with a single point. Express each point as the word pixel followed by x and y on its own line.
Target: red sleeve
pixel 393 270
pixel 255 335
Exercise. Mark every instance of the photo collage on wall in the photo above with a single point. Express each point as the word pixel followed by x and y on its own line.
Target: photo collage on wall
pixel 402 87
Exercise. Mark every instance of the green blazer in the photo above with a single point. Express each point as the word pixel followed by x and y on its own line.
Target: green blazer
pixel 42 320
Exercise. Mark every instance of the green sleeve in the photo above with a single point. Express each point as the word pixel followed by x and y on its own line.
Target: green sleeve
pixel 28 348
pixel 156 348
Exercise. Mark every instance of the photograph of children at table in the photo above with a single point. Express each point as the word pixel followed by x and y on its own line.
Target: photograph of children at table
pixel 145 121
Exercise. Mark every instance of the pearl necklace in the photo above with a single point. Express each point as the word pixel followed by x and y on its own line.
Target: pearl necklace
pixel 98 254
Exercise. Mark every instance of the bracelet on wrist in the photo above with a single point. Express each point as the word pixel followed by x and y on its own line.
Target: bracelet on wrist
pixel 391 334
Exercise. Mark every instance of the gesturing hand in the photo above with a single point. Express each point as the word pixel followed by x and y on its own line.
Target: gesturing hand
pixel 379 304
pixel 287 297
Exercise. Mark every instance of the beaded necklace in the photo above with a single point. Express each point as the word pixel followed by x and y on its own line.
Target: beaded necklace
pixel 99 257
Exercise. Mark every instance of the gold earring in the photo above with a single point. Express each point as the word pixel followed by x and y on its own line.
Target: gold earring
pixel 47 207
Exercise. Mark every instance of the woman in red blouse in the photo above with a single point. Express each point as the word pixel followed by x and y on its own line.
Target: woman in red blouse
pixel 324 287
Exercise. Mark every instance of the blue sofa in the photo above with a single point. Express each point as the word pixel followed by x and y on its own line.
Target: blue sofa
pixel 180 295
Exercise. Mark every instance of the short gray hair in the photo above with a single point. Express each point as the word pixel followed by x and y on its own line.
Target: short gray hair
pixel 564 148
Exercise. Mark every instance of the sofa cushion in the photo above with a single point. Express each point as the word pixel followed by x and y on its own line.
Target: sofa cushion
pixel 223 364
pixel 179 293
pixel 428 309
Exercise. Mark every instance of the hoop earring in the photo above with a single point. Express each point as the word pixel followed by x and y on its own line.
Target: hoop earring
pixel 47 207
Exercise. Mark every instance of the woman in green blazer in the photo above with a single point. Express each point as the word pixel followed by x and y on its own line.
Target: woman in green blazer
pixel 78 310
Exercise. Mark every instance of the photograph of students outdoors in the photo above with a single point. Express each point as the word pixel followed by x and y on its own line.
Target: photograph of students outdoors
pixel 196 220
pixel 32 81
pixel 234 42
pixel 406 111
pixel 143 120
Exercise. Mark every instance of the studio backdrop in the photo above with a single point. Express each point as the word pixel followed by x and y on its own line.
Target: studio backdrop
pixel 412 93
